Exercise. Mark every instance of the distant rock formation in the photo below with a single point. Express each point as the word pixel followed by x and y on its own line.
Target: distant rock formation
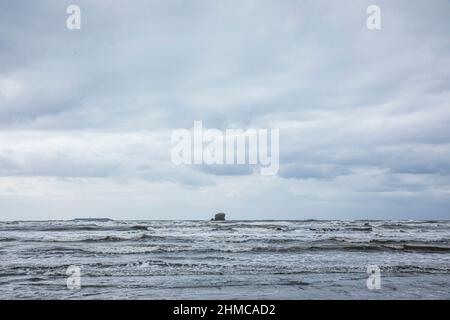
pixel 219 217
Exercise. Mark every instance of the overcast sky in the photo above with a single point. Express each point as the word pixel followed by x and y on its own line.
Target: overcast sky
pixel 86 115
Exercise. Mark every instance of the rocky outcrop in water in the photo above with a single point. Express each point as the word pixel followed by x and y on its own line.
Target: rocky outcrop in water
pixel 219 217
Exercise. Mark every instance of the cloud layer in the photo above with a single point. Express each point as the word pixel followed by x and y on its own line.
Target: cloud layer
pixel 86 115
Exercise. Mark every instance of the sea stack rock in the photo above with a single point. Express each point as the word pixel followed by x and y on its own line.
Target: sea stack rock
pixel 219 216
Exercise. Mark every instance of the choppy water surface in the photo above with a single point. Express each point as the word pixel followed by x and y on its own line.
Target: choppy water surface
pixel 225 260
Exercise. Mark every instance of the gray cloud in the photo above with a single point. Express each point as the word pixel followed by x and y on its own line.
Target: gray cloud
pixel 363 116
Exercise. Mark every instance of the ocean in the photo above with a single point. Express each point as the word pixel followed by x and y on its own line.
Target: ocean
pixel 312 259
